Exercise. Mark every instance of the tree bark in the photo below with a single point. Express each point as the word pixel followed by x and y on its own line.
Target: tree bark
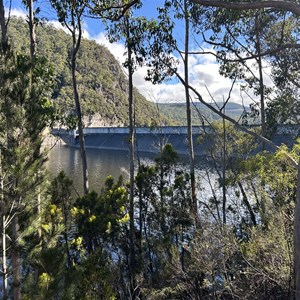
pixel 4 257
pixel 247 203
pixel 188 114
pixel 261 79
pixel 3 25
pixel 297 238
pixel 3 216
pixel 16 260
pixel 32 25
pixel 76 45
pixel 224 150
pixel 131 153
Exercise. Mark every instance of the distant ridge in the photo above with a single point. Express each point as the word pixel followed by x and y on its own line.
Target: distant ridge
pixel 178 111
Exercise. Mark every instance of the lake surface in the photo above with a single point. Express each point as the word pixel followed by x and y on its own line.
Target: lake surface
pixel 101 163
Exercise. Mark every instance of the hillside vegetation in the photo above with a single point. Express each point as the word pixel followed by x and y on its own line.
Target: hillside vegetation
pixel 177 112
pixel 103 85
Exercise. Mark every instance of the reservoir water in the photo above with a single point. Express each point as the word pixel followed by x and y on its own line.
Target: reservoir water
pixel 101 163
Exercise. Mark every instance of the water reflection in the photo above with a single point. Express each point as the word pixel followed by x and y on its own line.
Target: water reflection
pixel 101 163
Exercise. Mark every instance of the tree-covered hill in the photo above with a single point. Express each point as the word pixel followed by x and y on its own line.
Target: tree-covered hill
pixel 177 111
pixel 102 83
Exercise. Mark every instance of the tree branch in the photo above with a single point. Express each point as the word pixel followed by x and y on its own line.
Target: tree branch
pixel 276 4
pixel 253 56
pixel 122 8
pixel 239 126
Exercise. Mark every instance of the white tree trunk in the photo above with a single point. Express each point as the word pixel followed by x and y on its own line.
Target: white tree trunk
pixel 297 238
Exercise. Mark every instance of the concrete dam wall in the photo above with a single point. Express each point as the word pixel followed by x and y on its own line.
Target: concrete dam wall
pixel 151 140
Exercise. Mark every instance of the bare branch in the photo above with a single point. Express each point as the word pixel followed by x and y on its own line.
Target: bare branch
pixel 254 56
pixel 226 117
pixel 276 4
pixel 229 94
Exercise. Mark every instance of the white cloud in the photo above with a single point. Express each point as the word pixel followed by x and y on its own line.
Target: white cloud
pixel 22 13
pixel 117 49
pixel 204 76
pixel 85 30
pixel 16 12
pixel 58 25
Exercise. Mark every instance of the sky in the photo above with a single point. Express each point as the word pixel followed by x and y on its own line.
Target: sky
pixel 203 69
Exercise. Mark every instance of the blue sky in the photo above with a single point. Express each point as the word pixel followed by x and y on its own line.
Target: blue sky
pixel 204 71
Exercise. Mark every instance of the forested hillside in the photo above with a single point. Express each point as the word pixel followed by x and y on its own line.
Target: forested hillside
pixel 102 83
pixel 177 111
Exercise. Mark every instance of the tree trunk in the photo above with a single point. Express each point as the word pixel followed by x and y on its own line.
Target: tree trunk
pixel 16 260
pixel 131 152
pixel 224 171
pixel 3 25
pixel 4 256
pixel 188 114
pixel 261 79
pixel 80 130
pixel 32 25
pixel 247 203
pixel 297 238
pixel 76 45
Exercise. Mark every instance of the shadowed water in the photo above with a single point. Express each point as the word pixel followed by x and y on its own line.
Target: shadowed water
pixel 101 163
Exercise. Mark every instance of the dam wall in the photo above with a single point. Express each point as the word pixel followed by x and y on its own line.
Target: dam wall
pixel 152 139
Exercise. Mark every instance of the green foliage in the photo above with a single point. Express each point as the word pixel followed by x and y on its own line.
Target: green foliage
pixel 177 111
pixel 268 259
pixel 25 112
pixel 94 279
pixel 102 216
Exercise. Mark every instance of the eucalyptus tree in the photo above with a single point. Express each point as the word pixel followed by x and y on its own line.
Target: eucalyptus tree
pixel 16 255
pixel 185 12
pixel 121 26
pixel 239 39
pixel 162 64
pixel 24 116
pixel 32 22
pixel 129 64
pixel 3 51
pixel 70 14
pixel 246 45
pixel 284 108
pixel 274 31
pixel 237 42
